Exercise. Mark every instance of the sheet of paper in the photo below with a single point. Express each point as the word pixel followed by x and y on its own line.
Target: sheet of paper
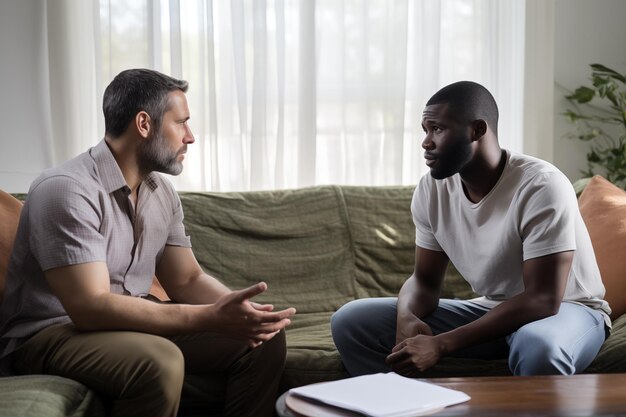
pixel 382 395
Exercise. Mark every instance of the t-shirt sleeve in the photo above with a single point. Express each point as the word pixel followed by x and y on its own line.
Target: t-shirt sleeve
pixel 420 205
pixel 547 212
pixel 64 224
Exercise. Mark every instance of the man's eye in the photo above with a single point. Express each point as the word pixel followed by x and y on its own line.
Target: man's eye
pixel 436 129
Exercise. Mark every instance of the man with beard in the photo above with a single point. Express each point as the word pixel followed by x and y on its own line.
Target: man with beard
pixel 92 234
pixel 510 224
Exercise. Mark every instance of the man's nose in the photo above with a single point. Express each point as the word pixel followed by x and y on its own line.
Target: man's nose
pixel 427 143
pixel 188 138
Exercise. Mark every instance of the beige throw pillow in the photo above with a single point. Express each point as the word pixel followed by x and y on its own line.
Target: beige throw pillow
pixel 603 207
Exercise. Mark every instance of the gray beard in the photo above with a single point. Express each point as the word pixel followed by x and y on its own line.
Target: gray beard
pixel 154 155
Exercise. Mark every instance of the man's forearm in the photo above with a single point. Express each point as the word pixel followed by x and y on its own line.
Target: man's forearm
pixel 122 312
pixel 232 315
pixel 502 320
pixel 416 300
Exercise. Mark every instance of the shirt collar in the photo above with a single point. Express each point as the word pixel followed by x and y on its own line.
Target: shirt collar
pixel 110 172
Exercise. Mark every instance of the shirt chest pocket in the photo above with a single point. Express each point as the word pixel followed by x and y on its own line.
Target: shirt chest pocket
pixel 150 241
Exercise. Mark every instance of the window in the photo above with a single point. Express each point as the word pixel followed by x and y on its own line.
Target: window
pixel 288 93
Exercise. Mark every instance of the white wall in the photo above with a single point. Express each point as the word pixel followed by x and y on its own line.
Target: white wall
pixel 586 32
pixel 24 150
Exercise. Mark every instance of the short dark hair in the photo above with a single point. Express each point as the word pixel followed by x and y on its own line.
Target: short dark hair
pixel 135 90
pixel 468 101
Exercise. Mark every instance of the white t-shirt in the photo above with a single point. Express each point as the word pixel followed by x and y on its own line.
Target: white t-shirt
pixel 532 211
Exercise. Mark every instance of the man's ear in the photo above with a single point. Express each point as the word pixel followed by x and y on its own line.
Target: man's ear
pixel 479 129
pixel 143 123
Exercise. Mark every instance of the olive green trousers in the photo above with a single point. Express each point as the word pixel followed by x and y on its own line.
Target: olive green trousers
pixel 142 374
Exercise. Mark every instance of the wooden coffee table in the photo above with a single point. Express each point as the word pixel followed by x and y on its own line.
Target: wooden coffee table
pixel 508 396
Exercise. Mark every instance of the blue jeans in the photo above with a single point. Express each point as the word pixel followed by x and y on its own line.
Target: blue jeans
pixel 364 332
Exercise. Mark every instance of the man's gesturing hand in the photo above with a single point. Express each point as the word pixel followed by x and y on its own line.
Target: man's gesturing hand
pixel 238 317
pixel 414 355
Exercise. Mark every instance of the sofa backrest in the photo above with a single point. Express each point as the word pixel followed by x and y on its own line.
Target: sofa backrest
pixel 327 245
pixel 295 240
pixel 383 238
pixel 10 208
pixel 383 235
pixel 317 247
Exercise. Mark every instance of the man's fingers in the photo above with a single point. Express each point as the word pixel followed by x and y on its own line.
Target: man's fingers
pixel 262 307
pixel 257 317
pixel 247 293
pixel 410 371
pixel 286 313
pixel 399 346
pixel 274 316
pixel 257 341
pixel 264 337
pixel 403 366
pixel 267 328
pixel 395 356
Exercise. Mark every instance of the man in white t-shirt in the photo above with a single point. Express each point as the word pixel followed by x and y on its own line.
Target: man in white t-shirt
pixel 510 224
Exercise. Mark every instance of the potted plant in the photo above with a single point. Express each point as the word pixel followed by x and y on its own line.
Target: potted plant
pixel 599 116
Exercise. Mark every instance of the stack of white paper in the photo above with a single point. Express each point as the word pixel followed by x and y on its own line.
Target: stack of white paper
pixel 382 395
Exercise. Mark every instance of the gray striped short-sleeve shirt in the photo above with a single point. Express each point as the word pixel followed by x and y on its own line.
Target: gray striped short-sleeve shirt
pixel 81 212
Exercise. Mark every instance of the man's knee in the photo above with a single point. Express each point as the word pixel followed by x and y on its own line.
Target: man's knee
pixel 538 354
pixel 351 314
pixel 168 359
pixel 343 321
pixel 160 366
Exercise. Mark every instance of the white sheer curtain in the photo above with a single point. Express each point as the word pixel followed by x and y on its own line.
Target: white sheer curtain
pixel 72 104
pixel 291 93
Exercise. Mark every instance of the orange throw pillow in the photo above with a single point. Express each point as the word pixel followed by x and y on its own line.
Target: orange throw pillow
pixel 10 208
pixel 603 207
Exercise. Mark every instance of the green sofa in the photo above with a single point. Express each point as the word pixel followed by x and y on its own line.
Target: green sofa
pixel 320 247
pixel 317 248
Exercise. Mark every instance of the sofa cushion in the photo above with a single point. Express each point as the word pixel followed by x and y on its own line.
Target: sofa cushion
pixel 47 396
pixel 10 208
pixel 603 207
pixel 612 355
pixel 312 356
pixel 296 240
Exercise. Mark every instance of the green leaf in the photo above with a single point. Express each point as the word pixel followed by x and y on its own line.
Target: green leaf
pixel 593 157
pixel 591 120
pixel 599 68
pixel 608 91
pixel 582 94
pixel 599 81
pixel 572 116
pixel 590 135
